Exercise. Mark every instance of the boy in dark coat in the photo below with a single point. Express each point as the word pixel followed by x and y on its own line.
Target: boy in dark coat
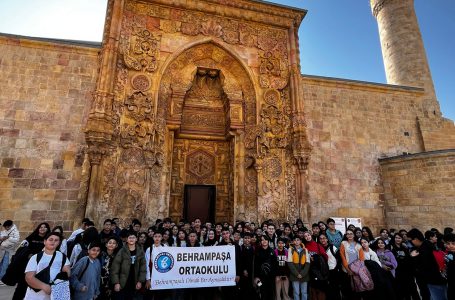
pixel 128 269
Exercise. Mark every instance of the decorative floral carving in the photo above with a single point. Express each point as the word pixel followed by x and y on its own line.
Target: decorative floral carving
pixel 273 72
pixel 143 50
pixel 140 82
pixel 211 27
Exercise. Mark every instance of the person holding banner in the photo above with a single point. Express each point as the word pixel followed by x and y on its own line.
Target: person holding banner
pixel 265 265
pixel 246 263
pixel 231 292
pixel 128 270
pixel 156 246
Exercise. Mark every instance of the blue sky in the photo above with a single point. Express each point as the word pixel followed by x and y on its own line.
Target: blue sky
pixel 338 38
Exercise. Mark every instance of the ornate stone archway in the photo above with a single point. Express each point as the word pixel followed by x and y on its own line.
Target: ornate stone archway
pixel 136 146
pixel 239 111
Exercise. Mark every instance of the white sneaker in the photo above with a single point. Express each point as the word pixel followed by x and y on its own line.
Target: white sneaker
pixel 2 284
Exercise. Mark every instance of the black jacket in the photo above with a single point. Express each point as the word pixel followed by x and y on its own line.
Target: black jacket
pixel 426 266
pixel 265 263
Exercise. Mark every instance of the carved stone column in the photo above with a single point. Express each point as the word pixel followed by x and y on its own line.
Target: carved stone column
pixel 301 147
pixel 99 128
pixel 239 175
pixel 95 155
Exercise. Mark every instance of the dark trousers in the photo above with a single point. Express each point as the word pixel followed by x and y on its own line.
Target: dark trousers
pixel 127 295
pixel 21 289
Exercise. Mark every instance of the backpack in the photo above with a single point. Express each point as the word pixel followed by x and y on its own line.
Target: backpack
pixel 16 268
pixel 361 280
pixel 44 274
pixel 319 269
pixel 83 253
pixel 337 256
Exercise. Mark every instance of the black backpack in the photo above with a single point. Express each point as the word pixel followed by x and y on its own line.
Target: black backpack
pixel 337 256
pixel 319 269
pixel 17 266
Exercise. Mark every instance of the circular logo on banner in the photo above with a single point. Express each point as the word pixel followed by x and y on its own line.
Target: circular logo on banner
pixel 164 262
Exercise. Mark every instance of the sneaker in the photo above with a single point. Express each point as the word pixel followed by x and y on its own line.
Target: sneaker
pixel 2 284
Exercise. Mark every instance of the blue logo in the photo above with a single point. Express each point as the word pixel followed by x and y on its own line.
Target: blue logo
pixel 164 262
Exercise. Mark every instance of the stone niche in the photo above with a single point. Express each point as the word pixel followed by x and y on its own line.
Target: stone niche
pixel 196 94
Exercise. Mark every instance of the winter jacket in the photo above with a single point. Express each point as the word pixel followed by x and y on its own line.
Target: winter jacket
pixel 121 266
pixel 299 263
pixel 387 259
pixel 12 241
pixel 426 267
pixel 265 263
pixel 86 273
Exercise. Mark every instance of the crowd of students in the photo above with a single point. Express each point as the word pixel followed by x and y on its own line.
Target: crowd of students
pixel 285 261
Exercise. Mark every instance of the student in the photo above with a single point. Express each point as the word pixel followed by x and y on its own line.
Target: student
pixel 246 265
pixel 106 258
pixel 316 252
pixel 368 253
pixel 106 233
pixel 282 271
pixel 211 238
pixel 427 269
pixel 157 246
pixel 50 257
pixel 86 274
pixel 9 239
pixel 63 247
pixel 271 235
pixel 299 267
pixel 333 289
pixel 334 235
pixel 128 269
pixel 32 244
pixel 449 239
pixel 386 257
pixel 79 230
pixel 230 292
pixel 404 276
pixel 315 231
pixel 265 263
pixel 350 251
pixel 80 249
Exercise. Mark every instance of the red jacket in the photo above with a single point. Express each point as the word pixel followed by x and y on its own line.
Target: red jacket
pixel 315 248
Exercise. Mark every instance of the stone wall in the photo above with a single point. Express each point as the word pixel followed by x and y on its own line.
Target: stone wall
pixel 45 97
pixel 350 125
pixel 420 190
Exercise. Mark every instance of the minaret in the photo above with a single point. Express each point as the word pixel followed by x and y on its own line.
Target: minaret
pixel 403 52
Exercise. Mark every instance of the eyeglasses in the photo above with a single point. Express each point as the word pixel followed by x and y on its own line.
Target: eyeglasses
pixel 349 234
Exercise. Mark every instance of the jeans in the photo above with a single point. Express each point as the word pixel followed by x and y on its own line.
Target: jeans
pixel 300 288
pixel 438 292
pixel 4 262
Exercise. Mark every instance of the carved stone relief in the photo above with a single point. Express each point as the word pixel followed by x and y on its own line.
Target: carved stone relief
pixel 201 162
pixel 150 162
pixel 142 52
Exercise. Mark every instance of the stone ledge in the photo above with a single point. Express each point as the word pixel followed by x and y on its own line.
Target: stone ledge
pixel 408 157
pixel 361 85
pixel 92 48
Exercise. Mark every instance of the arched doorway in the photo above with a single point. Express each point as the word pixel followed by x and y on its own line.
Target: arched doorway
pixel 208 100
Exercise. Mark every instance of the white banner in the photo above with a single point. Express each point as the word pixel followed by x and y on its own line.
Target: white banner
pixel 340 224
pixel 357 222
pixel 185 267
